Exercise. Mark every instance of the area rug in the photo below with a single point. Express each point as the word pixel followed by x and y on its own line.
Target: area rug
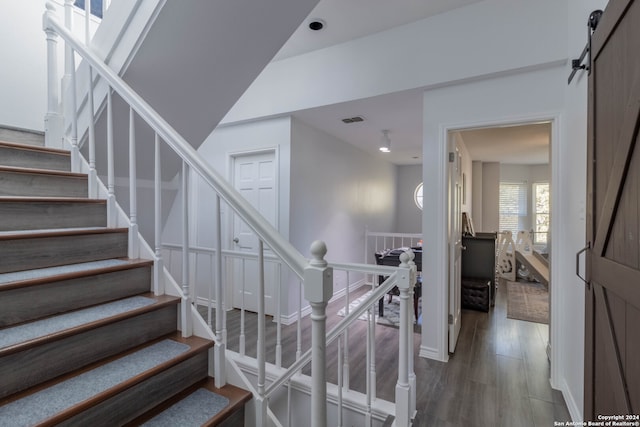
pixel 391 310
pixel 528 301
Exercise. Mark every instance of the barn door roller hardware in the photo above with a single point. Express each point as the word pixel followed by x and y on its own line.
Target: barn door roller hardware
pixel 577 64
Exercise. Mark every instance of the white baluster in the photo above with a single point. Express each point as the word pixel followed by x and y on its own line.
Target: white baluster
pixel 299 325
pixel 371 315
pixel 133 182
pixel 278 319
pixel 261 401
pixel 345 368
pixel 53 118
pixel 105 6
pixel 242 316
pixel 93 177
pixel 68 52
pixel 87 17
pixel 372 359
pixel 340 382
pixel 318 289
pixel 220 346
pixel 75 150
pixel 403 391
pixel 158 268
pixel 187 326
pixel 111 196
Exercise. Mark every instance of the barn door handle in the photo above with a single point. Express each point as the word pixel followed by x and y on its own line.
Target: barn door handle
pixel 578 262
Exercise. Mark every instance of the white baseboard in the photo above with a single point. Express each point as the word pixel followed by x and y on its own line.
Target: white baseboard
pixel 572 405
pixel 431 353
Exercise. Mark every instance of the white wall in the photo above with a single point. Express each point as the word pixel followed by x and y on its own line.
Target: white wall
pixel 336 191
pixel 513 98
pixel 568 220
pixel 23 73
pixel 476 209
pixel 451 47
pixel 490 196
pixel 408 215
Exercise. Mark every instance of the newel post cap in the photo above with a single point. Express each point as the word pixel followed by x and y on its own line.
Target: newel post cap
pixel 318 277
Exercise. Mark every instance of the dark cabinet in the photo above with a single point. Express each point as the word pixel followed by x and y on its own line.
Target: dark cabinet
pixel 479 266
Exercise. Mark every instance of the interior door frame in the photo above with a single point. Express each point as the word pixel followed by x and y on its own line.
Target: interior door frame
pixel 227 232
pixel 556 334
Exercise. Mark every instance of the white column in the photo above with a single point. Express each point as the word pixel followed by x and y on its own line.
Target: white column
pixel 403 390
pixel 318 289
pixel 53 119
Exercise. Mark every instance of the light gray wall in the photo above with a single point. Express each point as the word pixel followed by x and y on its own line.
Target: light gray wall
pixel 476 211
pixel 408 215
pixel 337 190
pixel 23 74
pixel 490 196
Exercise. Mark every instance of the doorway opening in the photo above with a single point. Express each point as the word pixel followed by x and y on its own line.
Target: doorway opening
pixel 503 172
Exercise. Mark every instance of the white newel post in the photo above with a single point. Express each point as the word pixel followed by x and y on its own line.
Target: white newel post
pixel 53 120
pixel 412 373
pixel 318 289
pixel 406 277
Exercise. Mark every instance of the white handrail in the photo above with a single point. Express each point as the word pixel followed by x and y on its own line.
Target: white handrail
pixel 337 330
pixel 265 231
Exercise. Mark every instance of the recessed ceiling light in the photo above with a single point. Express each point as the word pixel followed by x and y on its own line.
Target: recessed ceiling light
pixel 316 24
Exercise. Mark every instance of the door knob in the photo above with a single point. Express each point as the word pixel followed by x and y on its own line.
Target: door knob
pixel 236 240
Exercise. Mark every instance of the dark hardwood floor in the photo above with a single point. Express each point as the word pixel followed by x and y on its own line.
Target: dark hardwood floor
pixel 498 376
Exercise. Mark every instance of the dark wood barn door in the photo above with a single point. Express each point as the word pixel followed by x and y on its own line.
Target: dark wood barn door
pixel 612 341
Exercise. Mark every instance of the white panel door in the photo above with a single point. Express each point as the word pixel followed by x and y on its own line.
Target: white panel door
pixel 455 247
pixel 254 176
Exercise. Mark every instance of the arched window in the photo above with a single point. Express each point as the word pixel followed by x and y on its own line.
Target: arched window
pixel 417 196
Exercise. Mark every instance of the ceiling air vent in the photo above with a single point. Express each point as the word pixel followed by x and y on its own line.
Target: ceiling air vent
pixel 355 119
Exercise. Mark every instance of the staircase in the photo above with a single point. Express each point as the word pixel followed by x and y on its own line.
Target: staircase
pixel 82 340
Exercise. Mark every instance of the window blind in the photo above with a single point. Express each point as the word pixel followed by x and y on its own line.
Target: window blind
pixel 513 206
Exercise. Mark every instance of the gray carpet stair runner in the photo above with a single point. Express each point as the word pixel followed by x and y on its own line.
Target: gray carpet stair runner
pixel 82 341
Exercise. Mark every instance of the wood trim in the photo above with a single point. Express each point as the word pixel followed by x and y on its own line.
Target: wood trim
pixel 75 232
pixel 31 199
pixel 619 170
pixel 133 263
pixel 26 147
pixel 237 398
pixel 612 15
pixel 616 376
pixel 622 280
pixel 589 359
pixel 30 171
pixel 160 302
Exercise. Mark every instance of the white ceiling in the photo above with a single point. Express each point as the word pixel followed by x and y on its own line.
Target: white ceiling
pixel 400 113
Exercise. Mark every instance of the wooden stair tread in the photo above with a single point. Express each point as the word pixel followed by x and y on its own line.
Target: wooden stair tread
pixel 159 302
pixel 34 171
pixel 37 234
pixel 28 147
pixel 127 265
pixel 196 344
pixel 237 398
